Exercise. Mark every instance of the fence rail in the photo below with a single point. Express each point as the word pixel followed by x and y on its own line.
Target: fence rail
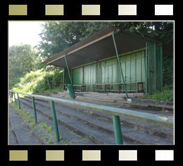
pixel 166 121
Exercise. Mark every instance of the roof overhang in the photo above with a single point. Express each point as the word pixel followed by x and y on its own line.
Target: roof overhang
pixel 99 46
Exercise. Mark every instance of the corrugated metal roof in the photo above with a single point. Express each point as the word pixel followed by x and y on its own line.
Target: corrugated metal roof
pixel 98 46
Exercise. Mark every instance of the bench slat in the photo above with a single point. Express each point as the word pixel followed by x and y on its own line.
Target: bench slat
pixel 107 86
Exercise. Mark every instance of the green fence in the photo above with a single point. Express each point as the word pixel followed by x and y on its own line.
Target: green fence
pixel 166 121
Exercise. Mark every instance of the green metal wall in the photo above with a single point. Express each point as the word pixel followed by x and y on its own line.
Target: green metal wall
pixel 107 71
pixel 154 67
pixel 159 68
pixel 89 76
pixel 78 76
pixel 133 68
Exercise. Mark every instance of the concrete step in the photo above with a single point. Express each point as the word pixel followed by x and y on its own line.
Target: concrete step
pixel 95 95
pixel 100 99
pixel 68 136
pixel 70 124
pixel 82 115
pixel 12 138
pixel 22 133
pixel 127 132
pixel 92 98
pixel 150 105
pixel 97 136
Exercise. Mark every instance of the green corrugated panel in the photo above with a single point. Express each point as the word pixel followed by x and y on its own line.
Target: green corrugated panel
pixel 123 64
pixel 127 77
pixel 151 67
pixel 86 77
pixel 99 73
pixel 110 74
pixel 138 67
pixel 93 76
pixel 107 71
pixel 115 71
pixel 115 74
pixel 143 67
pixel 90 76
pixel 103 73
pixel 159 68
pixel 78 76
pixel 133 79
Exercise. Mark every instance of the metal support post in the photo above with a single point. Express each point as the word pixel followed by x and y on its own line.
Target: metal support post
pixel 68 69
pixel 34 109
pixel 161 55
pixel 117 129
pixel 15 99
pixel 63 79
pixel 146 67
pixel 55 121
pixel 18 102
pixel 119 63
pixel 11 96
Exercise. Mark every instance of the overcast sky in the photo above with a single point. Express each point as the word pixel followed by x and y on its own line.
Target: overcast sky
pixel 24 32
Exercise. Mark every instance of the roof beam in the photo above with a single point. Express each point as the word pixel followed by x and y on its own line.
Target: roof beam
pixel 77 49
pixel 85 57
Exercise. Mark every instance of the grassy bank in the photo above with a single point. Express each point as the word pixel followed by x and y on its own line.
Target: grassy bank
pixel 165 95
pixel 40 82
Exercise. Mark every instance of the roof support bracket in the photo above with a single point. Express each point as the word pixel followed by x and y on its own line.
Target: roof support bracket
pixel 68 69
pixel 120 67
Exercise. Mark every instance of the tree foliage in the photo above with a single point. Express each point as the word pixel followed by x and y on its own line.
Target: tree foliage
pixel 22 59
pixel 58 35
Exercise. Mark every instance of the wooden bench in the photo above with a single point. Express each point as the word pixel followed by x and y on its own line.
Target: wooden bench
pixel 107 87
pixel 137 86
pixel 97 87
pixel 82 88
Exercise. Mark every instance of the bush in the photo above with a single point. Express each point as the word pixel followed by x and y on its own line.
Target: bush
pixel 40 81
pixel 13 82
pixel 32 76
pixel 167 71
pixel 57 79
pixel 165 95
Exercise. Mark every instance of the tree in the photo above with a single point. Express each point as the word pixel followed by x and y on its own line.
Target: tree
pixel 22 59
pixel 57 36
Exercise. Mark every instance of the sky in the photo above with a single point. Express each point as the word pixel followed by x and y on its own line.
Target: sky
pixel 24 32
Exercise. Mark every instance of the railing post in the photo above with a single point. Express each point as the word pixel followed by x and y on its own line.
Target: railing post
pixel 34 109
pixel 55 121
pixel 18 102
pixel 15 99
pixel 117 129
pixel 11 96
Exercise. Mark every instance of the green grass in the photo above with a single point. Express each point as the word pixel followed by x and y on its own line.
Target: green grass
pixel 31 121
pixel 25 114
pixel 48 129
pixel 47 139
pixel 50 141
pixel 39 81
pixel 65 141
pixel 165 95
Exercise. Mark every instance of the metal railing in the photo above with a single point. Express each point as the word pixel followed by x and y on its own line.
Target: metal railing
pixel 166 121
